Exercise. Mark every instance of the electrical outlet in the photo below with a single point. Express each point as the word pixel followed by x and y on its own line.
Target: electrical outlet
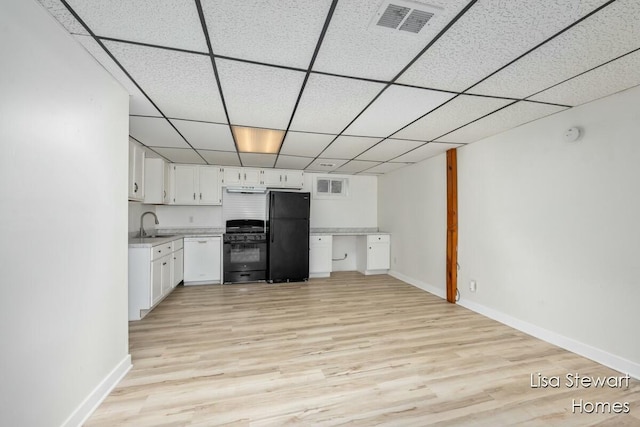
pixel 472 285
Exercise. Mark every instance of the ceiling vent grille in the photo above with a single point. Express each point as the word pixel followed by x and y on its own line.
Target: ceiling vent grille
pixel 406 16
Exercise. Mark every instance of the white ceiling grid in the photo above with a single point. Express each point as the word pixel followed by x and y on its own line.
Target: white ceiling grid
pixel 181 84
pixel 352 97
pixel 494 33
pixel 283 32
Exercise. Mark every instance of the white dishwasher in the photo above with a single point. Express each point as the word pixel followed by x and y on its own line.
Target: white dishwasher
pixel 202 260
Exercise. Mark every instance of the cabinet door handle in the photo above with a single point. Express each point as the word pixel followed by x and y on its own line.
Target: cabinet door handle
pixel 164 263
pixel 164 194
pixel 202 241
pixel 200 196
pixel 280 178
pixel 238 176
pixel 194 196
pixel 285 178
pixel 369 247
pixel 135 187
pixel 159 251
pixel 245 176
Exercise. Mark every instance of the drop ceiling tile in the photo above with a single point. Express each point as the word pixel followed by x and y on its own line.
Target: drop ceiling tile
pixel 325 165
pixel 428 150
pixel 389 149
pixel 396 107
pixel 355 166
pixel 173 23
pixel 257 95
pixel 488 36
pixel 182 85
pixel 62 14
pixel 293 162
pixel 305 144
pixel 283 32
pixel 387 167
pixel 329 103
pixel 208 136
pixel 613 77
pixel 138 103
pixel 221 158
pixel 450 116
pixel 180 155
pixel 507 118
pixel 351 47
pixel 155 132
pixel 348 147
pixel 608 34
pixel 258 160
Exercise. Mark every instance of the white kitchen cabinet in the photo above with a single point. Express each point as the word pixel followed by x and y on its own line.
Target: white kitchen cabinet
pixel 373 253
pixel 202 260
pixel 167 277
pixel 320 254
pixel 241 176
pixel 178 267
pixel 156 181
pixel 293 178
pixel 209 190
pixel 136 171
pixel 282 178
pixel 153 271
pixel 195 185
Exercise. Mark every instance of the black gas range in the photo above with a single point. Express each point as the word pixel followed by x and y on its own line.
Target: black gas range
pixel 244 251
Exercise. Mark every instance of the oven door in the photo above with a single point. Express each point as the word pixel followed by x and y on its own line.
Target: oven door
pixel 245 256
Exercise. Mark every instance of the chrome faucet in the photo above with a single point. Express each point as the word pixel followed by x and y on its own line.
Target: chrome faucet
pixel 142 232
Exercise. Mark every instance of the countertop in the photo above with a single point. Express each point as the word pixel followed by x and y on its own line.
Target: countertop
pixel 165 235
pixel 345 231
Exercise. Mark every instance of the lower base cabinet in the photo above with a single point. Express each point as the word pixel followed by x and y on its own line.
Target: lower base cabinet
pixel 373 253
pixel 320 254
pixel 153 273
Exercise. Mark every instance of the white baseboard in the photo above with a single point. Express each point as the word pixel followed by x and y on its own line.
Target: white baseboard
pixel 605 358
pixel 418 284
pixel 95 398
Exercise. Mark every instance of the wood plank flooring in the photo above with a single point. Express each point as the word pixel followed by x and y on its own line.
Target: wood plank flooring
pixel 346 350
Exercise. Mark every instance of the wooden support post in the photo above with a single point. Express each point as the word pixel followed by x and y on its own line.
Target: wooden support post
pixel 452 225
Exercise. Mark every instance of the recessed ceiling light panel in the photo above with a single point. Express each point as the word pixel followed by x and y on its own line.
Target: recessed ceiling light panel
pixel 257 140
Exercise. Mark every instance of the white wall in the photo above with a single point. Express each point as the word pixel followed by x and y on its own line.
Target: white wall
pixel 412 205
pixel 63 221
pixel 548 229
pixel 358 210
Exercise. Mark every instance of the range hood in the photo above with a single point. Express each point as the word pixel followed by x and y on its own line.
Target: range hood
pixel 247 189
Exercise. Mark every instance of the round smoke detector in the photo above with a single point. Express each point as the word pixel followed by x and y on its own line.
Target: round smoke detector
pixel 572 134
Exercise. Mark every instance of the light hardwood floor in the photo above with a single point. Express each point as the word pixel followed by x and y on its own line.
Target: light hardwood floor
pixel 347 350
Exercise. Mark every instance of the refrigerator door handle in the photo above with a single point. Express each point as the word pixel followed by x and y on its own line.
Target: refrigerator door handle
pixel 272 228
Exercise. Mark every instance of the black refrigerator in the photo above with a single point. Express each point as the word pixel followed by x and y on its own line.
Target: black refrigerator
pixel 288 245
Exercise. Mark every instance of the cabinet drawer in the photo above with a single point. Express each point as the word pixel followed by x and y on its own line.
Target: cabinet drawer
pixel 320 239
pixel 159 251
pixel 372 238
pixel 178 244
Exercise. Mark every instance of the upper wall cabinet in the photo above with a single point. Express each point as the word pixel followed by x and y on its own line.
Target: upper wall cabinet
pixel 241 176
pixel 136 171
pixel 195 185
pixel 282 178
pixel 156 181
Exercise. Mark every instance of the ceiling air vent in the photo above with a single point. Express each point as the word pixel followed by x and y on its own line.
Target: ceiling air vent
pixel 406 16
